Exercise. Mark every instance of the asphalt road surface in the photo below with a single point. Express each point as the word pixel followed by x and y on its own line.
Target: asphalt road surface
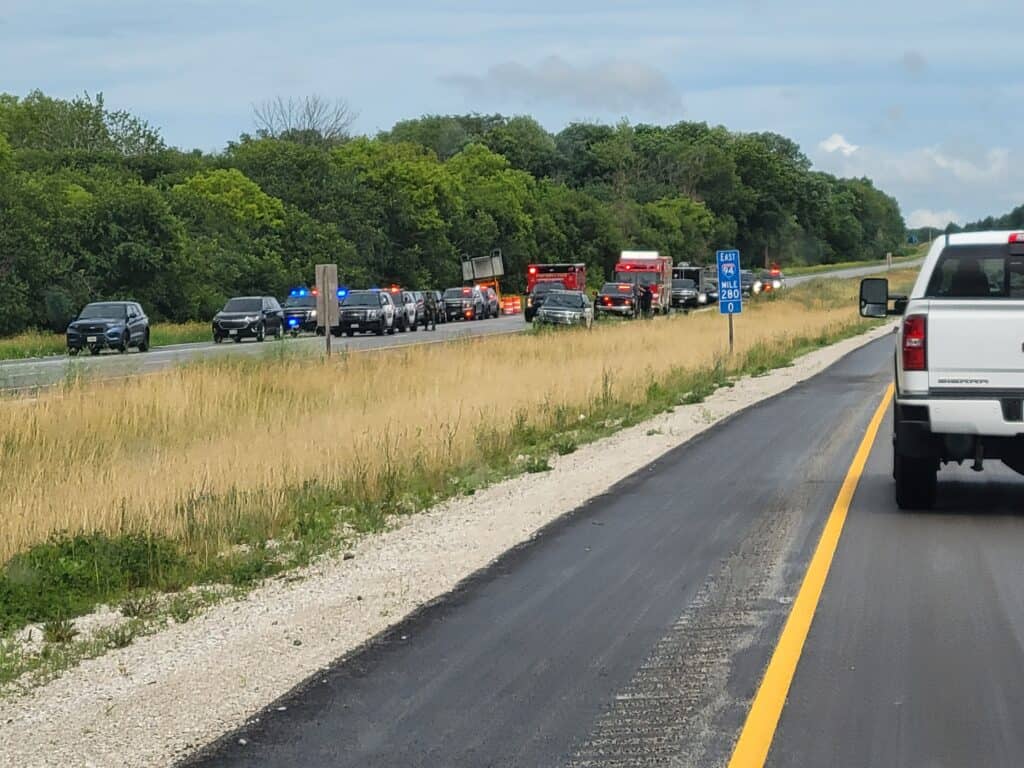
pixel 34 373
pixel 635 631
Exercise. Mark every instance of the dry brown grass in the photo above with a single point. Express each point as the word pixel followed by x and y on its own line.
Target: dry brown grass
pixel 135 456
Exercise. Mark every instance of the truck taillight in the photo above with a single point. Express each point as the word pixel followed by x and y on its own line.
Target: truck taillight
pixel 915 343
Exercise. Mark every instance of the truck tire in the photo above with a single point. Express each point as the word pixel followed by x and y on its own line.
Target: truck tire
pixel 916 481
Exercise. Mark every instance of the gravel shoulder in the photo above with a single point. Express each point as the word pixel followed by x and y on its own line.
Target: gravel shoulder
pixel 169 693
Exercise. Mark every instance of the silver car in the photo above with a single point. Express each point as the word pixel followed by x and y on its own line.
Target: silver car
pixel 565 308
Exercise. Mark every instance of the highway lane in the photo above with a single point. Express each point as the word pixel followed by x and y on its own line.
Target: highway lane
pixel 36 373
pixel 916 653
pixel 632 632
pixel 852 272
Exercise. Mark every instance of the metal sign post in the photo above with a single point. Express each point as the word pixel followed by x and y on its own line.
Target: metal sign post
pixel 327 300
pixel 730 288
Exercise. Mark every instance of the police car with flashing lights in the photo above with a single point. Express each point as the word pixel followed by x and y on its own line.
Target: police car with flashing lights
pixel 300 311
pixel 371 311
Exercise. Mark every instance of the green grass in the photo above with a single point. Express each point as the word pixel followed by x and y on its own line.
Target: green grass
pixel 40 344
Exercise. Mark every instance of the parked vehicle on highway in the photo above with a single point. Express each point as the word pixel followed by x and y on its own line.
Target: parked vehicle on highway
pixel 109 325
pixel 959 369
pixel 253 317
pixel 535 299
pixel 300 311
pixel 768 282
pixel 492 307
pixel 405 302
pixel 648 269
pixel 565 308
pixel 421 308
pixel 367 311
pixel 709 293
pixel 618 299
pixel 684 293
pixel 466 303
pixel 747 280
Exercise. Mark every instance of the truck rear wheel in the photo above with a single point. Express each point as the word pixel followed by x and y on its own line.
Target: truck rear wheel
pixel 916 481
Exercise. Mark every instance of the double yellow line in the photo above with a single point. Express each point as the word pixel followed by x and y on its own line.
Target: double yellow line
pixel 755 739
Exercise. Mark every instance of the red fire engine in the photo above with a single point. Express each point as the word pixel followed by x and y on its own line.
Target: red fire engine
pixel 648 268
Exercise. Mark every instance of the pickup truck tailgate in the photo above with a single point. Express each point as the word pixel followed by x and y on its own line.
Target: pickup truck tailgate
pixel 976 344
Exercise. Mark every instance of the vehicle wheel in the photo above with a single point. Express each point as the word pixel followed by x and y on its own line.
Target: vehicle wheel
pixel 126 341
pixel 217 339
pixel 350 333
pixel 916 482
pixel 238 339
pixel 73 351
pixel 94 350
pixel 391 330
pixel 414 327
pixel 279 333
pixel 144 346
pixel 381 328
pixel 261 334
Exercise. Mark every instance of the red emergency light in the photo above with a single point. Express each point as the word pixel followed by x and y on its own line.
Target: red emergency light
pixel 1017 237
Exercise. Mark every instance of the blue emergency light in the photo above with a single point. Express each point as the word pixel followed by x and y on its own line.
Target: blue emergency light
pixel 342 293
pixel 299 292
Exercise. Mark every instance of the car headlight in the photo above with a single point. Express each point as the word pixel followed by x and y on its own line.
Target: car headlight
pixel 702 298
pixel 776 284
pixel 114 330
pixel 312 314
pixel 252 318
pixel 373 314
pixel 756 288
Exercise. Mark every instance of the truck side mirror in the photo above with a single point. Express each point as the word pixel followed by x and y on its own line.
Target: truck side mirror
pixel 874 297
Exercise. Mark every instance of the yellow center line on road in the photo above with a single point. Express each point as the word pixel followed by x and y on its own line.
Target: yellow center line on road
pixel 755 739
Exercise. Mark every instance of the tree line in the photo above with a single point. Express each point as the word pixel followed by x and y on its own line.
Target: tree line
pixel 95 205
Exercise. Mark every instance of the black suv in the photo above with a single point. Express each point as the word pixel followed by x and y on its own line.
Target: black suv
pixel 492 305
pixel 300 311
pixel 109 325
pixel 371 311
pixel 536 298
pixel 464 304
pixel 253 317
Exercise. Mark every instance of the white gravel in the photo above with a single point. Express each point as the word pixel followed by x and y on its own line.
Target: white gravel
pixel 165 695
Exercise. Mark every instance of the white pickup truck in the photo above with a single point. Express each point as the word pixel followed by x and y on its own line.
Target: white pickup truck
pixel 959 360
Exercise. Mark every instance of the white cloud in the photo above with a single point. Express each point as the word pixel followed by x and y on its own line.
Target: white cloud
pixel 923 217
pixel 838 143
pixel 613 86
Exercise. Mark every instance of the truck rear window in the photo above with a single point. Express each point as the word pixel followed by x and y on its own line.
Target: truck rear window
pixel 979 272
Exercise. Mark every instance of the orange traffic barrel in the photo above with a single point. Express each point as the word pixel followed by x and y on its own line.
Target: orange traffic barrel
pixel 511 305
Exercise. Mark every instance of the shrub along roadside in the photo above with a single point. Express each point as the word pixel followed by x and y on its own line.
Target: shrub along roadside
pixel 69 575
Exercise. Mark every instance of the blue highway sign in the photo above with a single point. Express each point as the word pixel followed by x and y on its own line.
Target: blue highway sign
pixel 730 291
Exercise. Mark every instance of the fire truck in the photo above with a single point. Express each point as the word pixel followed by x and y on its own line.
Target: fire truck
pixel 648 268
pixel 569 277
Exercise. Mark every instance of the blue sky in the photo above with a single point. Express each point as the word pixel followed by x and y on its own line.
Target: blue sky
pixel 926 98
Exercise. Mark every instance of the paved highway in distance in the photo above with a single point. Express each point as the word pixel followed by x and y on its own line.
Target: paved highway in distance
pixel 40 372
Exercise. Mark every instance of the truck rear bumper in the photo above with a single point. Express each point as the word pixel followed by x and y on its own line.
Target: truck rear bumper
pixel 952 429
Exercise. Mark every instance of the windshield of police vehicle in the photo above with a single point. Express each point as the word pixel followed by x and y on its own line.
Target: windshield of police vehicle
pixel 302 302
pixel 458 293
pixel 104 311
pixel 977 272
pixel 683 284
pixel 361 299
pixel 616 289
pixel 243 305
pixel 640 278
pixel 566 300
